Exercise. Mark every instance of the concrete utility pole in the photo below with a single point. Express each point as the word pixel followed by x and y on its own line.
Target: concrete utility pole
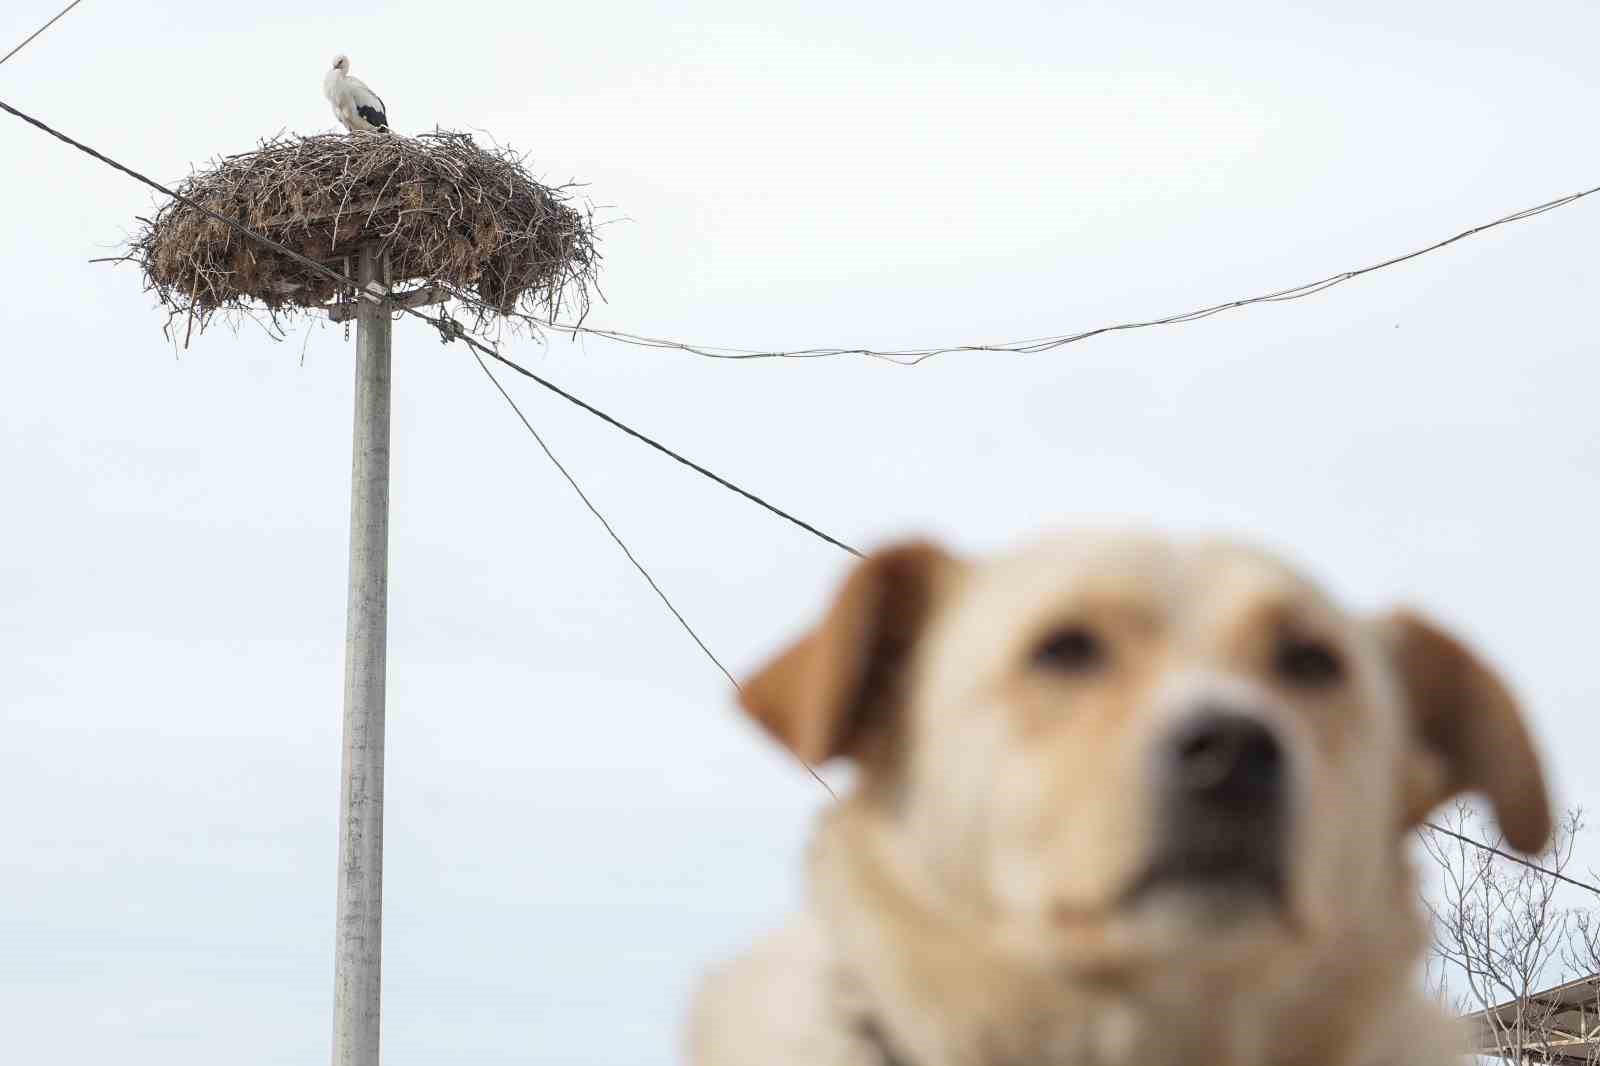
pixel 358 950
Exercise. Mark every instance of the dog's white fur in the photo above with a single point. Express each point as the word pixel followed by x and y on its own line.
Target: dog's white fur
pixel 968 899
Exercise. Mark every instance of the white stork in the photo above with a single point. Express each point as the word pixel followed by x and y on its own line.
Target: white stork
pixel 355 105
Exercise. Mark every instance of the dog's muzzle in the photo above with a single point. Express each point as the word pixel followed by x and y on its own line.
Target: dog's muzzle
pixel 1222 789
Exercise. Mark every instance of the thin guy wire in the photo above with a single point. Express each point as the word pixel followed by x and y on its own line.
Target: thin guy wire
pixel 448 328
pixel 1437 828
pixel 29 39
pixel 637 565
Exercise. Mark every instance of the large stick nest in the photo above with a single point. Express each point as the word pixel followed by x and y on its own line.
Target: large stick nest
pixel 447 212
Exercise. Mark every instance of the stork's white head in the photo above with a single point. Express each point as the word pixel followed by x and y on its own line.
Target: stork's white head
pixel 341 64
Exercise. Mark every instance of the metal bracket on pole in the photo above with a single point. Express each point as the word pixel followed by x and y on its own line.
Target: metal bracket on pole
pixel 374 293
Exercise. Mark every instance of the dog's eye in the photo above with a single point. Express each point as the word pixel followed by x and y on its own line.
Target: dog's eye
pixel 1307 662
pixel 1074 648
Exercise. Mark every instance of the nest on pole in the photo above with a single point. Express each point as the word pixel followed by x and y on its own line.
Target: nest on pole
pixel 447 213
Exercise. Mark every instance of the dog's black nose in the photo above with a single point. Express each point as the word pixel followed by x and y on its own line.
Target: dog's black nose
pixel 1223 781
pixel 1226 761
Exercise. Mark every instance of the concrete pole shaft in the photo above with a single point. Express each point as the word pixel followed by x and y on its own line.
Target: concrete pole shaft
pixel 359 932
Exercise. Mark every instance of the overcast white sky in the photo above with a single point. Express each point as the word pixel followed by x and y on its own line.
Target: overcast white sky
pixel 578 821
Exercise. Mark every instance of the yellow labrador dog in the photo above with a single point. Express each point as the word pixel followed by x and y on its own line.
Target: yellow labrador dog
pixel 1119 802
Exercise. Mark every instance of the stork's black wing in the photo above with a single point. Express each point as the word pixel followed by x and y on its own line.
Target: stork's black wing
pixel 377 116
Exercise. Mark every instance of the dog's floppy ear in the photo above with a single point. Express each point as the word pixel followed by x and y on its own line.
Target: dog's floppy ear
pixel 823 695
pixel 1470 730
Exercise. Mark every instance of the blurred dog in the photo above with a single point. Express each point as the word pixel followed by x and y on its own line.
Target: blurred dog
pixel 1119 801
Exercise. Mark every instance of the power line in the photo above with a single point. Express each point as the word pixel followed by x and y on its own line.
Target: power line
pixel 637 565
pixel 234 224
pixel 450 330
pixel 1518 859
pixel 29 39
pixel 914 356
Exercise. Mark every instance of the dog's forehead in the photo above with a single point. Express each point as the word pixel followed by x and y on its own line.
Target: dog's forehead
pixel 1142 569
